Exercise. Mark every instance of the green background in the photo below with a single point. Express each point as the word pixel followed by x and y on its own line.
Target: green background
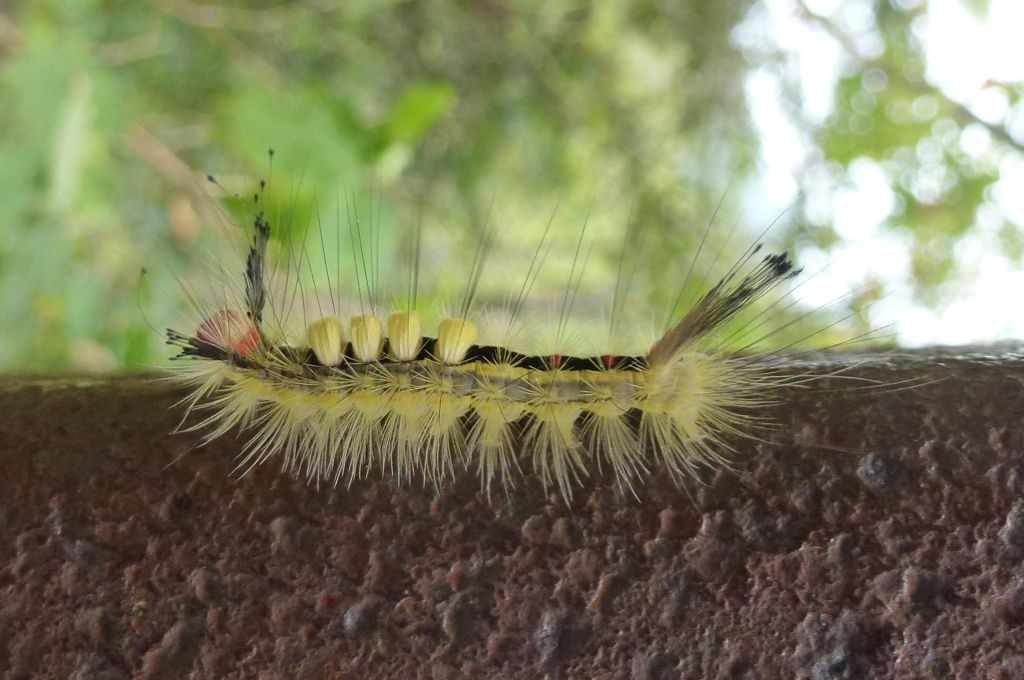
pixel 460 116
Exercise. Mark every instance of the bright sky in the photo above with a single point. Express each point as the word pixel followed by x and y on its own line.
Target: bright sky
pixel 962 55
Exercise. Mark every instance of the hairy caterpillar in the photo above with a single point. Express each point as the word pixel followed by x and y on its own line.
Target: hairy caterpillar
pixel 381 393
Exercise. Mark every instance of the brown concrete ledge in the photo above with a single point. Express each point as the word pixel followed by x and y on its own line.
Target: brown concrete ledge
pixel 877 535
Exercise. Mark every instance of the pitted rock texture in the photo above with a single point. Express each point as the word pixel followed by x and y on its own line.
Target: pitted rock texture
pixel 875 533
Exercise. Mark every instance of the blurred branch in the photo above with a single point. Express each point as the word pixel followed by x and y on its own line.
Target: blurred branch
pixel 965 115
pixel 962 113
pixel 145 46
pixel 219 17
pixel 158 155
pixel 190 182
pixel 170 165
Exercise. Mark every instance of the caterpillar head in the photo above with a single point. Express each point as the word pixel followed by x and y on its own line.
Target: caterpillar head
pixel 230 331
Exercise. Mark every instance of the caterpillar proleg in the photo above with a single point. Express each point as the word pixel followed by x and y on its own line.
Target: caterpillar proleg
pixel 386 393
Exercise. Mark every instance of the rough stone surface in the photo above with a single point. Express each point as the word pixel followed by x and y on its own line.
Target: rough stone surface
pixel 874 534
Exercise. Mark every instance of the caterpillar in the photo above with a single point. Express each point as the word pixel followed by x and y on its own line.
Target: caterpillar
pixel 380 392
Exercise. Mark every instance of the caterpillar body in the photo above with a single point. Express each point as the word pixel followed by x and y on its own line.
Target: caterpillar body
pixel 378 393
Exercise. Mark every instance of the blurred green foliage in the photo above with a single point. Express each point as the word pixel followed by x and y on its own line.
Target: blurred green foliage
pixel 457 113
pixel 940 157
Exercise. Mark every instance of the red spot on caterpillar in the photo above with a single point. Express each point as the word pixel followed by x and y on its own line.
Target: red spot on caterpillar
pixel 608 360
pixel 556 360
pixel 231 331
